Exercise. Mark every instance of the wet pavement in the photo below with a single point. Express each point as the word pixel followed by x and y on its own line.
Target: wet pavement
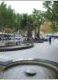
pixel 39 51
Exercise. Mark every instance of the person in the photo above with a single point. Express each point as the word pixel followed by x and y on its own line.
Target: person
pixel 50 39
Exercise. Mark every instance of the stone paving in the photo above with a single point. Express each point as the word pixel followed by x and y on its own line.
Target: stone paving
pixel 39 51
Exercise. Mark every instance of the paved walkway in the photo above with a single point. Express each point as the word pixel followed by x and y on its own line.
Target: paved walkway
pixel 40 50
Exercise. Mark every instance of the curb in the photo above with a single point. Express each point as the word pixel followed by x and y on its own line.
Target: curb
pixel 14 48
pixel 40 62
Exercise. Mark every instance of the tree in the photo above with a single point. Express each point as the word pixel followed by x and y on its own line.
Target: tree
pixel 18 22
pixel 29 26
pixel 51 13
pixel 55 15
pixel 3 11
pixel 26 24
pixel 24 21
pixel 37 20
pixel 7 17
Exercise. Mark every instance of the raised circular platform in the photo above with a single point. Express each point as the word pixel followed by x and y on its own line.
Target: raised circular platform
pixel 17 47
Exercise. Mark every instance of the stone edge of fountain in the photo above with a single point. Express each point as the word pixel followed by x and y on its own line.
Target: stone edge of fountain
pixel 13 48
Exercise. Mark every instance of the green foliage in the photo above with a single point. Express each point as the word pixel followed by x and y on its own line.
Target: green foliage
pixel 55 11
pixel 37 20
pixel 7 16
pixel 24 21
pixel 51 13
pixel 47 4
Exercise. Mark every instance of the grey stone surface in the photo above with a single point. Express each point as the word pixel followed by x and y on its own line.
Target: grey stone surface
pixel 18 72
pixel 16 47
pixel 39 51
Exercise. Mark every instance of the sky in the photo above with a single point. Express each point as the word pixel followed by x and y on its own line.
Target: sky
pixel 25 6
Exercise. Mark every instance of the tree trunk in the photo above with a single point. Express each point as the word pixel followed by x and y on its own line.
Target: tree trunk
pixel 35 32
pixel 38 35
pixel 38 32
pixel 29 33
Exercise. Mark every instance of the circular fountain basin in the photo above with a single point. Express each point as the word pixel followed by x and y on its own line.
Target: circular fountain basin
pixel 30 69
